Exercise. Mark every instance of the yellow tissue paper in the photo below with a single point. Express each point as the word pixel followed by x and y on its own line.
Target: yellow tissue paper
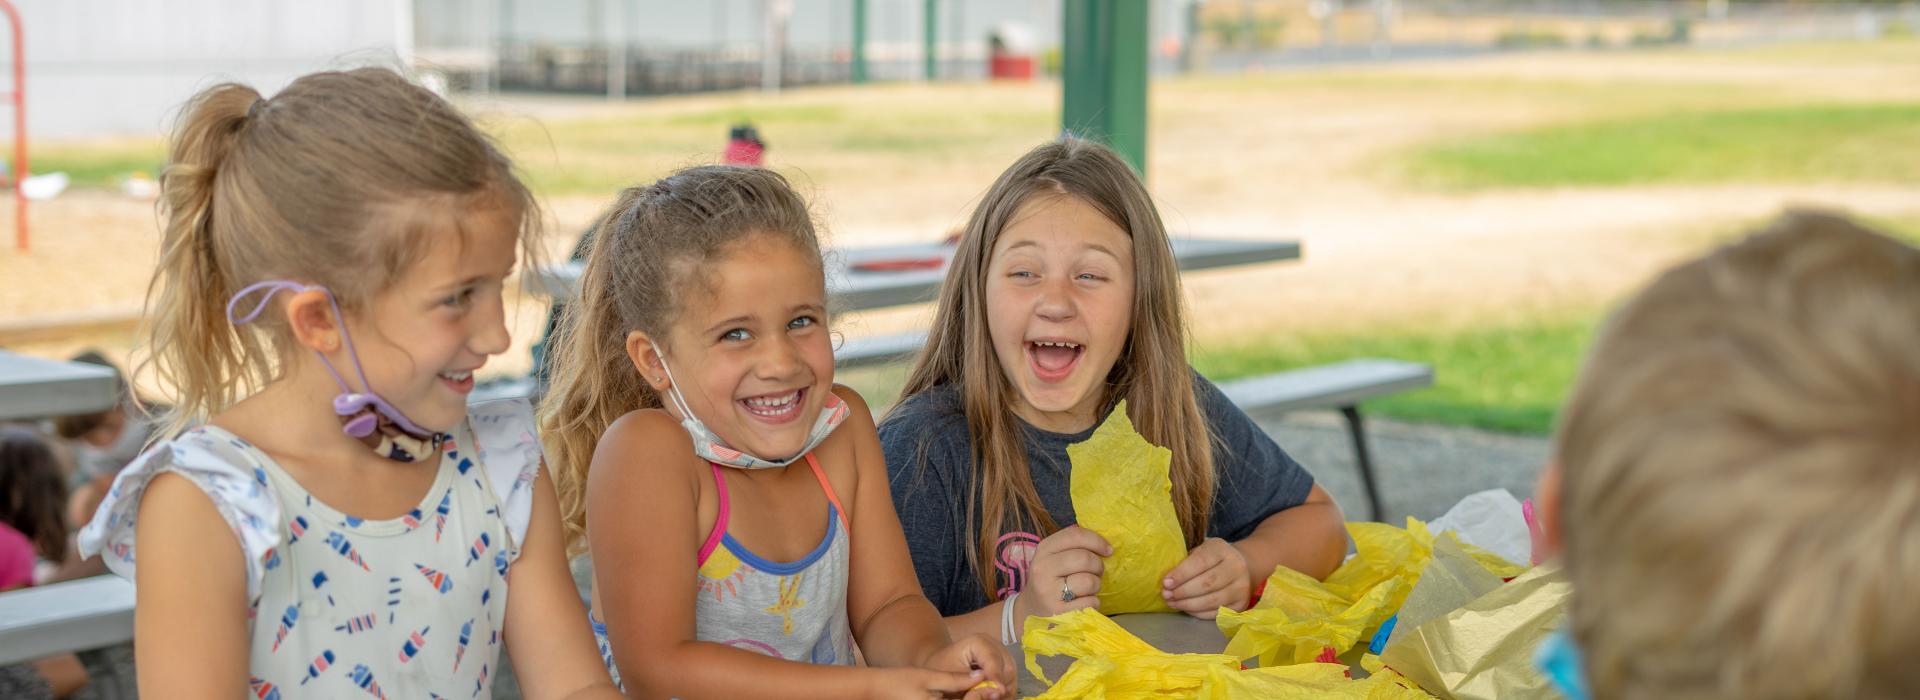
pixel 1112 663
pixel 1111 659
pixel 1121 491
pixel 1485 649
pixel 1298 617
pixel 1307 681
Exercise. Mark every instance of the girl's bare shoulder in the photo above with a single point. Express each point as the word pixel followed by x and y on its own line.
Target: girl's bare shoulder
pixel 636 446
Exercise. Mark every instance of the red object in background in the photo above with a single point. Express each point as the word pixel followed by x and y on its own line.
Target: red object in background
pixel 19 98
pixel 902 264
pixel 744 146
pixel 1006 66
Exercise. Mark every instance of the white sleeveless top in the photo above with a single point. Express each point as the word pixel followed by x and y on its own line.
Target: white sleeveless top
pixel 343 607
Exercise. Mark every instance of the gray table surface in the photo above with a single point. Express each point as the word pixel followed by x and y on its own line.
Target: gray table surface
pixel 1174 633
pixel 855 289
pixel 32 387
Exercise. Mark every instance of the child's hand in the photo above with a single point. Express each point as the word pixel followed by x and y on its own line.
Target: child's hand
pixel 984 661
pixel 1068 560
pixel 921 683
pixel 1214 575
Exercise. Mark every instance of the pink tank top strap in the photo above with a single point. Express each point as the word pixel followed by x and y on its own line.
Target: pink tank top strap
pixel 833 498
pixel 720 520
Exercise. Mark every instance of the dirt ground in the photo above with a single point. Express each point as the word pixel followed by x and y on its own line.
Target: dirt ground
pixel 1298 164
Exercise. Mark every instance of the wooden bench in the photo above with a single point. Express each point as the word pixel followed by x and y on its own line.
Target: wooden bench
pixel 1341 385
pixel 88 613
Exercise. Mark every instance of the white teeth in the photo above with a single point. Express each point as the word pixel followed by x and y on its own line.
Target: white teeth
pixel 455 376
pixel 773 402
pixel 1056 344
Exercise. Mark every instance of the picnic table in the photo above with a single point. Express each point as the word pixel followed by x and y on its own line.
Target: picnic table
pixel 32 387
pixel 873 277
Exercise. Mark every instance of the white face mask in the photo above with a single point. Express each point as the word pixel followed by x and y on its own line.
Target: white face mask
pixel 710 447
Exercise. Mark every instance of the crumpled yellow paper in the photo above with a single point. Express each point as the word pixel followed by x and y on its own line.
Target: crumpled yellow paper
pixel 1121 491
pixel 1485 649
pixel 1298 617
pixel 1112 663
pixel 1110 660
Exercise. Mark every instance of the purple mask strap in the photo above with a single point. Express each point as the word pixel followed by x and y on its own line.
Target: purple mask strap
pixel 273 287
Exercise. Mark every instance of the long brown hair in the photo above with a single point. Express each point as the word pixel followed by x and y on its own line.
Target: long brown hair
pixel 33 494
pixel 646 249
pixel 336 180
pixel 1151 372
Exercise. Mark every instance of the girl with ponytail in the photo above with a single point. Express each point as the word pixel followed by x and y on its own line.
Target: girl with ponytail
pixel 324 511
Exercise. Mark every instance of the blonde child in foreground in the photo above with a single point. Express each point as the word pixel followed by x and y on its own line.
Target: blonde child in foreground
pixel 737 508
pixel 338 522
pixel 1736 490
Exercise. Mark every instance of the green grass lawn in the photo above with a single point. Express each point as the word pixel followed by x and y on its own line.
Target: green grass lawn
pixel 1509 376
pixel 1807 143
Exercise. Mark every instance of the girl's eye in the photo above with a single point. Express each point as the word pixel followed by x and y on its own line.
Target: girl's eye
pixel 1091 277
pixel 802 322
pixel 737 335
pixel 1021 274
pixel 459 300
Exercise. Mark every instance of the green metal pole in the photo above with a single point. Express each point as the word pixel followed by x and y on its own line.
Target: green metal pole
pixel 859 41
pixel 1104 72
pixel 933 37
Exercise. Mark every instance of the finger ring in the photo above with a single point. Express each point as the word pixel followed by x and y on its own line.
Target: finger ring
pixel 1066 592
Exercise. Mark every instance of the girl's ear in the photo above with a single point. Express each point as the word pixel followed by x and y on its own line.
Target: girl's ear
pixel 645 354
pixel 310 316
pixel 1546 510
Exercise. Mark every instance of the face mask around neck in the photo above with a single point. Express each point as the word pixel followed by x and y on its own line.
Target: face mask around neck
pixel 710 447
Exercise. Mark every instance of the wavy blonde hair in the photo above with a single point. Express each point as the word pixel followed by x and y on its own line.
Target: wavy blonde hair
pixel 646 252
pixel 1151 372
pixel 336 180
pixel 1741 474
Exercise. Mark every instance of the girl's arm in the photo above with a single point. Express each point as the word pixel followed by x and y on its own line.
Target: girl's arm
pixel 893 621
pixel 642 513
pixel 190 605
pixel 1310 538
pixel 547 634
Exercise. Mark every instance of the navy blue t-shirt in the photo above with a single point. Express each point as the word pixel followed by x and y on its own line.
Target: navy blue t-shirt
pixel 930 466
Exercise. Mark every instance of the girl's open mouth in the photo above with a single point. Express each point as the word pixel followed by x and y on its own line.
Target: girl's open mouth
pixel 775 408
pixel 1053 360
pixel 460 382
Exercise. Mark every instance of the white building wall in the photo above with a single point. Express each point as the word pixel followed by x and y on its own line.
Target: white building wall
pixel 104 67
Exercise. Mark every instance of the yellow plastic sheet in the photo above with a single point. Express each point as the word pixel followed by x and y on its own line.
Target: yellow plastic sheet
pixel 1121 490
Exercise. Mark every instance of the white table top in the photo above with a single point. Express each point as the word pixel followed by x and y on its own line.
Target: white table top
pixel 32 387
pixel 855 288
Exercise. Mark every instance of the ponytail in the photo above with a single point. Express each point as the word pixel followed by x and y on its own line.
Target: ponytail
pixel 594 382
pixel 193 348
pixel 339 180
